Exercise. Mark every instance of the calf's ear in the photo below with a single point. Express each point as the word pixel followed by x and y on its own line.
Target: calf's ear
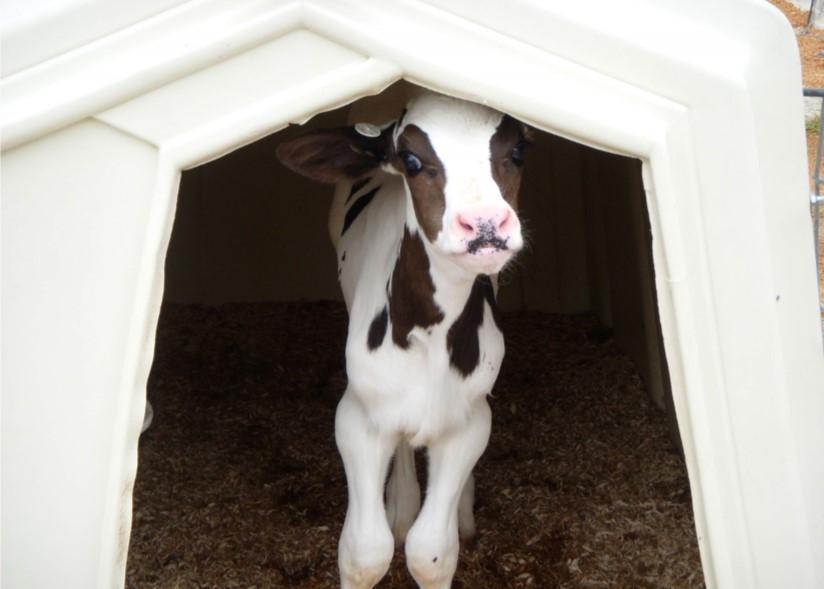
pixel 334 155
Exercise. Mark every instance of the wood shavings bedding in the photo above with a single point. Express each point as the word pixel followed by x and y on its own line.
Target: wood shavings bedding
pixel 240 484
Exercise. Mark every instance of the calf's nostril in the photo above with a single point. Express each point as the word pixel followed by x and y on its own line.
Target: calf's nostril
pixel 504 221
pixel 466 225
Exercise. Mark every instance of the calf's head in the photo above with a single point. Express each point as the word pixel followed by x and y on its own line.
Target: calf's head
pixel 461 164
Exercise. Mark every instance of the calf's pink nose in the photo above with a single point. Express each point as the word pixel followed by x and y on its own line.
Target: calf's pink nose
pixel 471 223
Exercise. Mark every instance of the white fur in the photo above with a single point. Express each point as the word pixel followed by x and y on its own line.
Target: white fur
pixel 398 399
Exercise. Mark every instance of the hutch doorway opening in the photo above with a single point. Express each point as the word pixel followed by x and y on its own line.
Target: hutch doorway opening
pixel 239 481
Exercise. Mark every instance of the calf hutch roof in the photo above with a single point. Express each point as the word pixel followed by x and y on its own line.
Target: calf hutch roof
pixel 105 103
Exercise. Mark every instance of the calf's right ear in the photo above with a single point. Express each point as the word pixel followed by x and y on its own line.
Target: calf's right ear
pixel 334 155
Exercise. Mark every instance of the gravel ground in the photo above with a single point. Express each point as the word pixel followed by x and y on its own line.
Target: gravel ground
pixel 240 484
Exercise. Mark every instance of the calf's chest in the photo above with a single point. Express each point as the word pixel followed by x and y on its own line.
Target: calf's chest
pixel 423 380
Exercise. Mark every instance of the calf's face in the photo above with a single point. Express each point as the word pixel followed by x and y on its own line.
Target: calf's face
pixel 461 164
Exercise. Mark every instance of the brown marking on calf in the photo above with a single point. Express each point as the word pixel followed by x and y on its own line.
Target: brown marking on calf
pixel 412 297
pixel 377 330
pixel 357 208
pixel 427 186
pixel 462 338
pixel 507 173
pixel 357 186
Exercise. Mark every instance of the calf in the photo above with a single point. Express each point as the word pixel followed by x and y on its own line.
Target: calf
pixel 423 218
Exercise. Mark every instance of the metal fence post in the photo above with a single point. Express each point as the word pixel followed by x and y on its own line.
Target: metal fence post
pixel 816 199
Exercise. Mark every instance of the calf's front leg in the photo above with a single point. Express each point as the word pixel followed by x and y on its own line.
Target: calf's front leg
pixel 366 544
pixel 432 543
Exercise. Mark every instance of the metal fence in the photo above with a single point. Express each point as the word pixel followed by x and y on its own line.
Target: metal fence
pixel 816 200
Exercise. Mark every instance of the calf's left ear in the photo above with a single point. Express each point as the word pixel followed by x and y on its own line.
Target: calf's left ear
pixel 335 155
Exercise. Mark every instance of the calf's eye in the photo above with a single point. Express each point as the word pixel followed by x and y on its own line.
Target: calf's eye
pixel 517 155
pixel 411 162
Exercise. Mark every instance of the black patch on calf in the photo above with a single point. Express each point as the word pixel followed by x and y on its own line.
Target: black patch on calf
pixel 377 330
pixel 462 337
pixel 412 298
pixel 357 186
pixel 357 208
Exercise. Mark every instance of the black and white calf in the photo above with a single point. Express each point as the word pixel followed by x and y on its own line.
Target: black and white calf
pixel 424 217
